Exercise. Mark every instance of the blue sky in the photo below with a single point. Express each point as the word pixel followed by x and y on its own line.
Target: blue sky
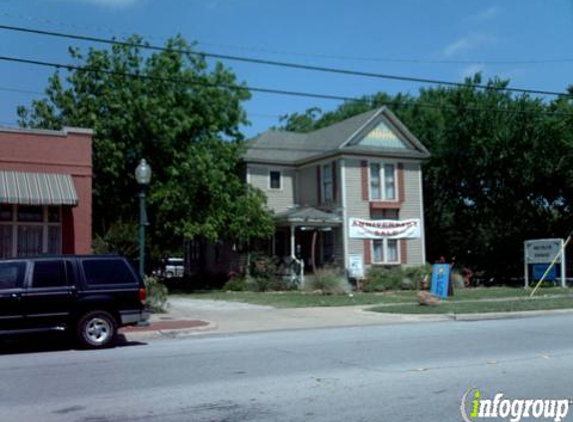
pixel 528 42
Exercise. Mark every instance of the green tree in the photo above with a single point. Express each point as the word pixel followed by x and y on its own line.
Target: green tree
pixel 171 108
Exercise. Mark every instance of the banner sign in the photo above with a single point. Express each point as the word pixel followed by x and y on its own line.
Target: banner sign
pixel 440 280
pixel 384 229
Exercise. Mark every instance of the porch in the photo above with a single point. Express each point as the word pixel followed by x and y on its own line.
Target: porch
pixel 310 235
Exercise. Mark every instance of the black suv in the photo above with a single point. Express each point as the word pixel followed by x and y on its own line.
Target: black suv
pixel 89 296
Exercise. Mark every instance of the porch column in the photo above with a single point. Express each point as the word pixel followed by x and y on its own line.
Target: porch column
pixel 292 241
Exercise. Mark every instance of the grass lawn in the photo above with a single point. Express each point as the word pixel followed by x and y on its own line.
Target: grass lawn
pixel 510 305
pixel 303 300
pixel 394 300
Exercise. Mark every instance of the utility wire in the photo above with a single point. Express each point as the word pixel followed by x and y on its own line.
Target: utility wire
pixel 267 90
pixel 108 30
pixel 281 64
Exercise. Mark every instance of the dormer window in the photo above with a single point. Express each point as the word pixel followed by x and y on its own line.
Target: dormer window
pixel 275 179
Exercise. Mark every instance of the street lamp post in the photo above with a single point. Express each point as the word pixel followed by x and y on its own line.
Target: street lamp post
pixel 143 177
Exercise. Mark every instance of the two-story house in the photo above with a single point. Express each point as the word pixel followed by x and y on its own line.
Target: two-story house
pixel 349 191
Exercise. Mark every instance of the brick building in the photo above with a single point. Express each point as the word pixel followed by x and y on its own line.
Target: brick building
pixel 45 191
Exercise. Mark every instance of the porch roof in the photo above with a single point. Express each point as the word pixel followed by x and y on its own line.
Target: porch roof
pixel 308 216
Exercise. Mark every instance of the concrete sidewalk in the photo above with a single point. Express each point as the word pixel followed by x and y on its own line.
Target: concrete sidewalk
pixel 186 317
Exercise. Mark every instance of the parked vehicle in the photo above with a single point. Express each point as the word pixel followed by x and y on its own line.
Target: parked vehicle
pixel 88 296
pixel 174 267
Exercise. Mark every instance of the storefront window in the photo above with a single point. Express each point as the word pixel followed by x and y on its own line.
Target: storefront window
pixel 27 230
pixel 29 240
pixel 6 240
pixel 54 215
pixel 6 212
pixel 28 213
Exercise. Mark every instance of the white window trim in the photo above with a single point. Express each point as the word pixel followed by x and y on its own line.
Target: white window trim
pixel 382 165
pixel 385 252
pixel 45 224
pixel 281 181
pixel 323 185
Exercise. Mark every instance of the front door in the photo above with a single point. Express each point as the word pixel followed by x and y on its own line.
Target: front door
pixel 11 288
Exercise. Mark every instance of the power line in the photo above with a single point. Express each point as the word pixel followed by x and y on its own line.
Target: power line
pixel 265 90
pixel 20 91
pixel 177 80
pixel 281 64
pixel 412 60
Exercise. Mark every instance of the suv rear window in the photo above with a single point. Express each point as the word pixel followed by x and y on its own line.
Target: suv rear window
pixel 107 271
pixel 11 275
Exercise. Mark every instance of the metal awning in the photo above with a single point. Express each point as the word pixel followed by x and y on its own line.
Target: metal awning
pixel 308 216
pixel 37 188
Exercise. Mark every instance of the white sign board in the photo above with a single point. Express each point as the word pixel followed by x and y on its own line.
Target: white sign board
pixel 355 266
pixel 543 251
pixel 384 229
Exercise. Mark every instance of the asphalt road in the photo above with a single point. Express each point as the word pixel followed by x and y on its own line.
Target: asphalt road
pixel 415 372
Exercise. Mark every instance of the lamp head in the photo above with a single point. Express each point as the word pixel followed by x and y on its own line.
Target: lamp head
pixel 143 173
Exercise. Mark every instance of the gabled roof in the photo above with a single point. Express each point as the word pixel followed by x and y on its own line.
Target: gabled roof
pixel 289 148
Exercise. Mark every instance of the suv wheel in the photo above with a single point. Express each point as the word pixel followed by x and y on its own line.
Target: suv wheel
pixel 96 329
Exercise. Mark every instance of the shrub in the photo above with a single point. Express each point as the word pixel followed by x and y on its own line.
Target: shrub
pixel 328 281
pixel 236 284
pixel 262 266
pixel 282 284
pixel 259 284
pixel 457 281
pixel 156 295
pixel 382 279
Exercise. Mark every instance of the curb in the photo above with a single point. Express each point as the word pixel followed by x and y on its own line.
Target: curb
pixel 169 333
pixel 507 315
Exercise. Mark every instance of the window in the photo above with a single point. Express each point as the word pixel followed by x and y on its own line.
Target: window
pixel 275 179
pixel 49 274
pixel 375 181
pixel 27 230
pixel 389 182
pixel 327 183
pixel 382 182
pixel 11 275
pixel 107 271
pixel 385 251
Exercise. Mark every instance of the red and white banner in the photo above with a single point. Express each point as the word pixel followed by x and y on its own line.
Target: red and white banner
pixel 384 229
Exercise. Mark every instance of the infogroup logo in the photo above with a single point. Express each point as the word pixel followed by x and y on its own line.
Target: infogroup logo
pixel 474 407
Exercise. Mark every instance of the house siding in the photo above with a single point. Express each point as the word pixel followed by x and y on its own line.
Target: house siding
pixel 356 206
pixel 278 200
pixel 412 208
pixel 307 186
